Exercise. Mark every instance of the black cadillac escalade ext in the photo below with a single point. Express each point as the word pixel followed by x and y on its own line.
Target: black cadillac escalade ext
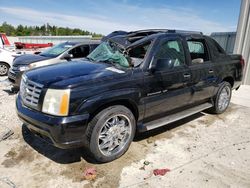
pixel 133 81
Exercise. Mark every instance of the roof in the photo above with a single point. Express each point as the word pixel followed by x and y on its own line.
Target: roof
pixel 83 42
pixel 126 39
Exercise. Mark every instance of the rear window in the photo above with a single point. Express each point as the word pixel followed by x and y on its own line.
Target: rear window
pixel 195 47
pixel 216 49
pixel 198 50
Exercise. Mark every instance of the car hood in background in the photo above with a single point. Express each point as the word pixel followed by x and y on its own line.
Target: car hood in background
pixel 28 59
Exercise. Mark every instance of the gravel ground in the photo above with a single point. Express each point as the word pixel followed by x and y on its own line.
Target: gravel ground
pixel 201 151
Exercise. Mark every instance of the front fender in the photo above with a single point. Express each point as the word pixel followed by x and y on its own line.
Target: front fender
pixel 132 96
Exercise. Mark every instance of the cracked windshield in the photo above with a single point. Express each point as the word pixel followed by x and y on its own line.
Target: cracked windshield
pixel 109 52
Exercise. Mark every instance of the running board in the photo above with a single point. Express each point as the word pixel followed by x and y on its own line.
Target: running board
pixel 175 117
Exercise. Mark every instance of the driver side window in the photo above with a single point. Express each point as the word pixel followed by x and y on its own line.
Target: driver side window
pixel 80 51
pixel 170 55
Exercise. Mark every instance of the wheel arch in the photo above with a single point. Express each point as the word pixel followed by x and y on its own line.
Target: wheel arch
pixel 5 63
pixel 124 102
pixel 230 80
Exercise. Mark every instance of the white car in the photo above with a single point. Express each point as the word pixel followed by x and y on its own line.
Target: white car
pixel 6 59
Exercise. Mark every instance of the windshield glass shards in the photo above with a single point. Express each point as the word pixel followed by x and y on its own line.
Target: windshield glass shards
pixel 110 52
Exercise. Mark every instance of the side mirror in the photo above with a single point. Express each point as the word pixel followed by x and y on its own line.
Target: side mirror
pixel 67 56
pixel 162 64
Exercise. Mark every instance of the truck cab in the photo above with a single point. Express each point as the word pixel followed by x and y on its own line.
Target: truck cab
pixel 132 82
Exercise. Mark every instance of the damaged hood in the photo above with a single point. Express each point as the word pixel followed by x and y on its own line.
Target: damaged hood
pixel 73 74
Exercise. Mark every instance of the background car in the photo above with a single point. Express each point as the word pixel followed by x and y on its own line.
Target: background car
pixel 62 52
pixel 6 59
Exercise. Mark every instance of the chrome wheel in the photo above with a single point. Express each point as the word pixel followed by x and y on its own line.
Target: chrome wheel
pixel 224 98
pixel 114 135
pixel 3 69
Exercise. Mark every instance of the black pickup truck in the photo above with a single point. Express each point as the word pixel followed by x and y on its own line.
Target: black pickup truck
pixel 132 82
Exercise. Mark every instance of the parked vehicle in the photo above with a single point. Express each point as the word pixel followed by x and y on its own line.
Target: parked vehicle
pixel 5 43
pixel 22 45
pixel 63 52
pixel 133 81
pixel 6 59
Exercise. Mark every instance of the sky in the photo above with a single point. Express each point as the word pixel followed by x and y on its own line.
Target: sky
pixel 105 16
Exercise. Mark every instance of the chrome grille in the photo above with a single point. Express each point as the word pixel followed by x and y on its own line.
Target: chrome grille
pixel 30 92
pixel 11 75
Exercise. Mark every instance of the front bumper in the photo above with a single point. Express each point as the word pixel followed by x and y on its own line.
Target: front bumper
pixel 62 132
pixel 15 77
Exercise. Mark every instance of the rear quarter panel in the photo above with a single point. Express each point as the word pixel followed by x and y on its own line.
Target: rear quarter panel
pixel 227 67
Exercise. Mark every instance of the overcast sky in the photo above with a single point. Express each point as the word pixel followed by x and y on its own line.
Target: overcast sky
pixel 104 16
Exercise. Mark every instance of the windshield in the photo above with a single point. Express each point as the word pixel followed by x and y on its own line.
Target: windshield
pixel 56 50
pixel 109 52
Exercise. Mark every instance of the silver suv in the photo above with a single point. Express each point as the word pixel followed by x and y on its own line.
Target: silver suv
pixel 60 53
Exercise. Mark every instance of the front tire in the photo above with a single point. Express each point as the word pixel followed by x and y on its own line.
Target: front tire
pixel 222 98
pixel 4 68
pixel 110 133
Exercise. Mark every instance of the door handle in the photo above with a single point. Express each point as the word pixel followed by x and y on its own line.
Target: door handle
pixel 187 75
pixel 210 71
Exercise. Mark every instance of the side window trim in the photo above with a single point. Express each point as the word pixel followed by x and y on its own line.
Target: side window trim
pixel 208 51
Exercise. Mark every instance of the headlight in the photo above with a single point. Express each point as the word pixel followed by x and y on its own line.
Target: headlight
pixel 24 68
pixel 33 65
pixel 56 102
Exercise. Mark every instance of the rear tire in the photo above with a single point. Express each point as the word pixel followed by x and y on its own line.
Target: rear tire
pixel 4 69
pixel 222 98
pixel 110 133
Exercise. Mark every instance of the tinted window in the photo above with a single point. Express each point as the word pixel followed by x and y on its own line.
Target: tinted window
pixel 170 54
pixel 80 51
pixel 138 53
pixel 216 48
pixel 93 46
pixel 198 50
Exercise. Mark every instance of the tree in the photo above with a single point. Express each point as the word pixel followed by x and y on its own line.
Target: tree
pixel 20 30
pixel 7 28
pixel 45 29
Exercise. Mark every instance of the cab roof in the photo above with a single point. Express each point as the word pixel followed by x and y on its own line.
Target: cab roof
pixel 127 39
pixel 73 43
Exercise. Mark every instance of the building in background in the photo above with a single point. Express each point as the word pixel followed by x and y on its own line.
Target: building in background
pixel 49 39
pixel 226 40
pixel 242 43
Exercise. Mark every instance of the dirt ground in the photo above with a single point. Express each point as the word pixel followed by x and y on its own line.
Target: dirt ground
pixel 201 151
